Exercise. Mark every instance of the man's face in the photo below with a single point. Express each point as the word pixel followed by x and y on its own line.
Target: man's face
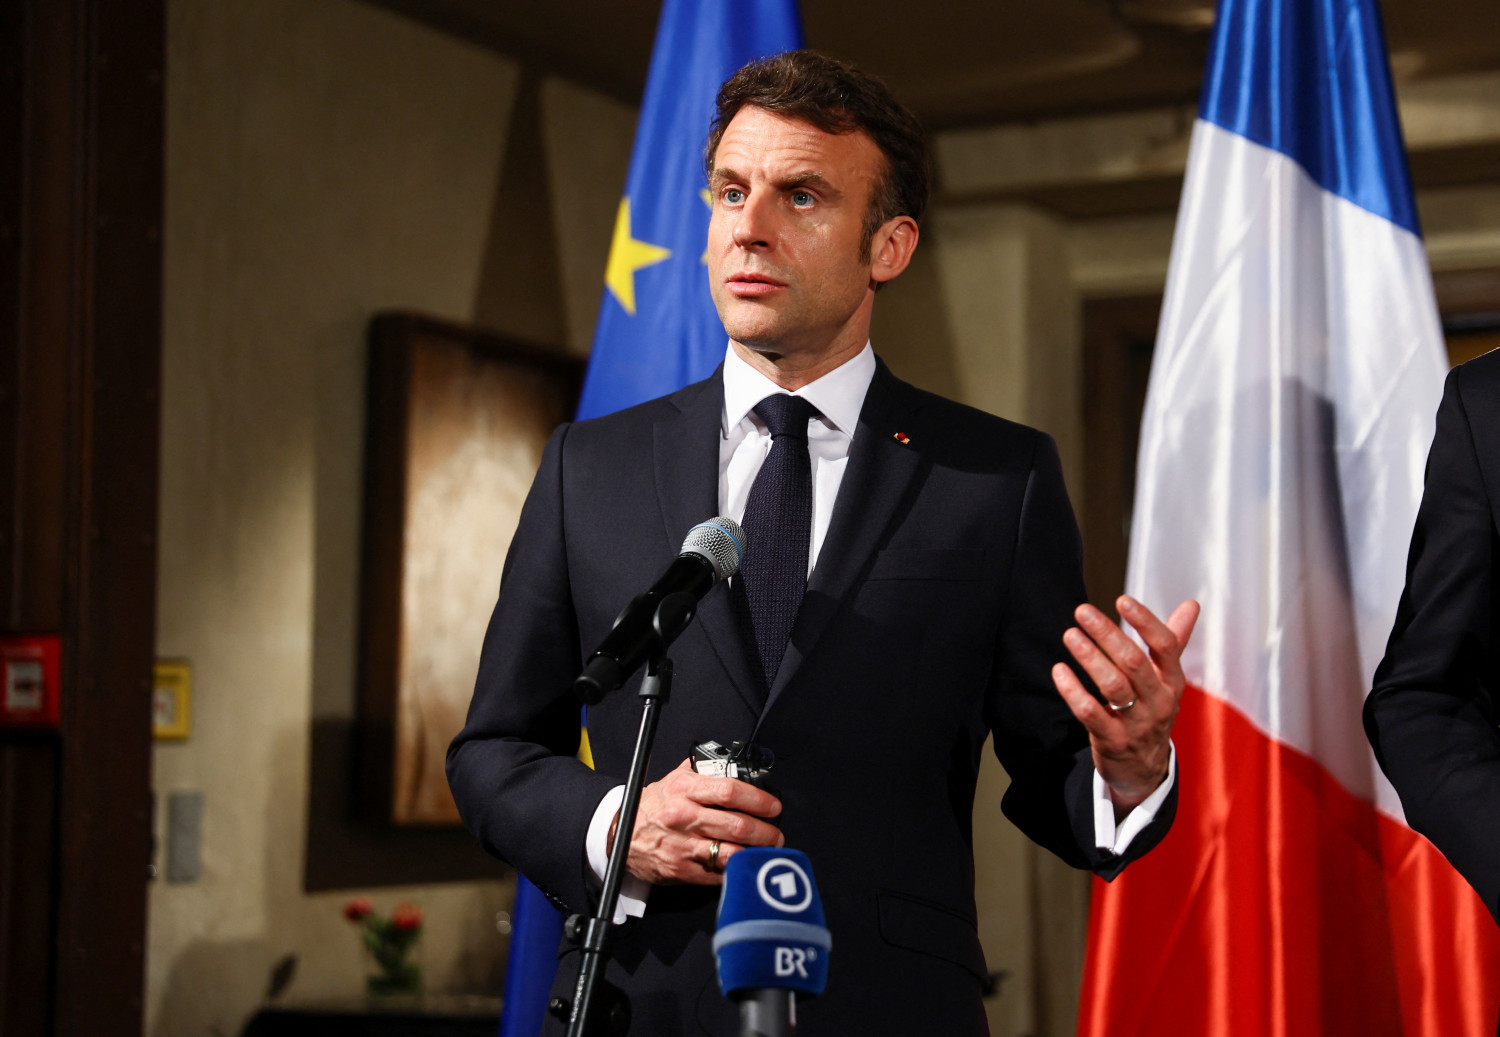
pixel 785 237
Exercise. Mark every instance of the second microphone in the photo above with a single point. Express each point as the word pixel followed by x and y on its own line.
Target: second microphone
pixel 710 554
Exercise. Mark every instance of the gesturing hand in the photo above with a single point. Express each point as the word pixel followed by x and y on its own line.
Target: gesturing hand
pixel 685 814
pixel 1129 736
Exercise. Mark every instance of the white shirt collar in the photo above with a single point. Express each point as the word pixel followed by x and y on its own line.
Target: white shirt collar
pixel 839 395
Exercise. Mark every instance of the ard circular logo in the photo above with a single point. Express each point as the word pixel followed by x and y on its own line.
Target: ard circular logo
pixel 784 885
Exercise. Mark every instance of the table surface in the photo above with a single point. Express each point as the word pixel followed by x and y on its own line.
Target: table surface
pixel 413 1015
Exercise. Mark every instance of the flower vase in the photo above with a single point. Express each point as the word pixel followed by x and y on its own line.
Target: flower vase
pixel 390 944
pixel 392 971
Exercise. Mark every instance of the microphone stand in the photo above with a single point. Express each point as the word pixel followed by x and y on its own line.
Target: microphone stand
pixel 592 934
pixel 771 1012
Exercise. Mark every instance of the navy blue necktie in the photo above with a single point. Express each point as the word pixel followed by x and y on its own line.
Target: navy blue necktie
pixel 778 532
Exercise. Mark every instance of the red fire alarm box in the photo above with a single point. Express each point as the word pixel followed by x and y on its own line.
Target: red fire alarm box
pixel 30 680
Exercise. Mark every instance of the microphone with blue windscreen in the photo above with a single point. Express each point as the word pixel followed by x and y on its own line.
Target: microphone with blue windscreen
pixel 772 942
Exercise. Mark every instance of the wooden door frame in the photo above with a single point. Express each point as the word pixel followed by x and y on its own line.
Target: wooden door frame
pixel 81 110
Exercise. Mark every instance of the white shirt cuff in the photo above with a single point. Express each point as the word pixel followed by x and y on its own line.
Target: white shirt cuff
pixel 1117 838
pixel 633 890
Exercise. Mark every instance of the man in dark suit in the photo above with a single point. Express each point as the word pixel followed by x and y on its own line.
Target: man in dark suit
pixel 1432 714
pixel 944 579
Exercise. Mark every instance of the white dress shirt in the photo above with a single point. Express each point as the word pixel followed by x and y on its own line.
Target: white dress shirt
pixel 744 443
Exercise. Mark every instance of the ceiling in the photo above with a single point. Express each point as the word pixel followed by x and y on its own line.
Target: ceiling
pixel 961 62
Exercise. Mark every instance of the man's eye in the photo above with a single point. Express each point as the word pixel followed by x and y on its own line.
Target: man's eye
pixel 802 199
pixel 733 195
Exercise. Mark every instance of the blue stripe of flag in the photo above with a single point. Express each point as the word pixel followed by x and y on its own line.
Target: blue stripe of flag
pixel 1310 79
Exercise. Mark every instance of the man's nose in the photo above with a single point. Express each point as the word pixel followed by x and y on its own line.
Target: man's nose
pixel 754 226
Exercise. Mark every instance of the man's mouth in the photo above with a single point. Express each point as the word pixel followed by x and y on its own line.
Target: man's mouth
pixel 750 285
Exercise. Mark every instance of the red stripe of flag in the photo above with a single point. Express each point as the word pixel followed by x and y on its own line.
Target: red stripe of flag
pixel 1281 904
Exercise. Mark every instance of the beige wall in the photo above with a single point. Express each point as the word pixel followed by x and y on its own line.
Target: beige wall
pixel 588 138
pixel 325 159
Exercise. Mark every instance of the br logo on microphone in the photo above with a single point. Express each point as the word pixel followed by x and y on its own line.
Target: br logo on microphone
pixel 784 885
pixel 792 961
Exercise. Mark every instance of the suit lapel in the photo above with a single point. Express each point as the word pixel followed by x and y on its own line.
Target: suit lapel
pixel 686 449
pixel 879 473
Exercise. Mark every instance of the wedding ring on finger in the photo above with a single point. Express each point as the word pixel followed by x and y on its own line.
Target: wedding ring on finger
pixel 713 857
pixel 1119 709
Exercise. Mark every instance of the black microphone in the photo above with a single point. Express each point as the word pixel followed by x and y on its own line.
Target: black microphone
pixel 652 620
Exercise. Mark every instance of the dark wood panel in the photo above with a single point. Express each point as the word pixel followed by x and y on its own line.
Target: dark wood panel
pixel 28 832
pixel 106 766
pixel 11 50
pixel 28 764
pixel 80 290
pixel 28 772
pixel 44 314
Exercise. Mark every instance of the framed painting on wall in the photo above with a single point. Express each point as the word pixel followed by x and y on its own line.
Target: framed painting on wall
pixel 456 420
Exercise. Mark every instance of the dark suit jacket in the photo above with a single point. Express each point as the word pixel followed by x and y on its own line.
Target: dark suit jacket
pixel 1432 713
pixel 936 609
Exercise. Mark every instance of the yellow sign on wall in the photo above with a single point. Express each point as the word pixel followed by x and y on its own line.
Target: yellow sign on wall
pixel 172 700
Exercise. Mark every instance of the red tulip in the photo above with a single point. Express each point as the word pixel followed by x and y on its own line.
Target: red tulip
pixel 358 909
pixel 407 918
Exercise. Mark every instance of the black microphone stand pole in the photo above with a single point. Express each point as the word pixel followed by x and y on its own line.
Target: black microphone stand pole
pixel 768 1013
pixel 593 934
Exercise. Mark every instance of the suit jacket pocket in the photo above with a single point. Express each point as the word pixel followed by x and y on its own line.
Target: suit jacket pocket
pixel 922 563
pixel 929 929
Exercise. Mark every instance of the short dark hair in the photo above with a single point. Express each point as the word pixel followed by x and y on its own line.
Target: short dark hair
pixel 835 97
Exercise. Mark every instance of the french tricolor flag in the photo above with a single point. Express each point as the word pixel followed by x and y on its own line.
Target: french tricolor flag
pixel 1298 366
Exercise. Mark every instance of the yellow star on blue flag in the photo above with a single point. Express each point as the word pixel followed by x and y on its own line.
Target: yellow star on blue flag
pixel 626 256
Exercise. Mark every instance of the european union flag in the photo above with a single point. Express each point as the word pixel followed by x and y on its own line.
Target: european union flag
pixel 657 327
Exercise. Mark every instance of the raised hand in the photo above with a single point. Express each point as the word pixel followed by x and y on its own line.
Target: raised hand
pixel 1130 732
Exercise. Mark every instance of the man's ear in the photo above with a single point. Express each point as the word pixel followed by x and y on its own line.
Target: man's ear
pixel 891 248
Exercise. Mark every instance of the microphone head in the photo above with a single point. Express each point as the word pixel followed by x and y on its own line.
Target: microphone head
pixel 771 933
pixel 720 542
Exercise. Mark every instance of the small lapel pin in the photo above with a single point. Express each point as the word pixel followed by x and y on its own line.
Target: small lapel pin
pixel 902 438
